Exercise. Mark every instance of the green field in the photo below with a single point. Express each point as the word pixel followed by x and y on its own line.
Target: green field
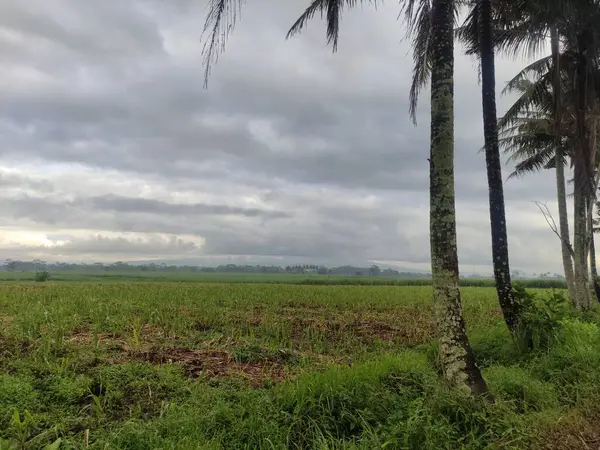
pixel 263 278
pixel 235 365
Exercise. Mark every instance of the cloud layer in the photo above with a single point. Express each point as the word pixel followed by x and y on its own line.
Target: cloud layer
pixel 113 150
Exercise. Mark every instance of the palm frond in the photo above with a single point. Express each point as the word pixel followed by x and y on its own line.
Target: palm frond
pixel 543 159
pixel 417 17
pixel 332 11
pixel 535 96
pixel 468 32
pixel 535 70
pixel 419 31
pixel 521 39
pixel 220 22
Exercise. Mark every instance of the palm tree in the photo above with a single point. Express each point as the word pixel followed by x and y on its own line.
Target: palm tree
pixel 582 44
pixel 459 367
pixel 535 139
pixel 526 26
pixel 542 135
pixel 438 17
pixel 478 34
pixel 575 24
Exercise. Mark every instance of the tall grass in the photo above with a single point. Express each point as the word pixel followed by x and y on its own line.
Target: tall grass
pixel 246 366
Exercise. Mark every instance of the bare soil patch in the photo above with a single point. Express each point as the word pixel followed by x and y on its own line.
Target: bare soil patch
pixel 576 436
pixel 213 364
pixel 366 329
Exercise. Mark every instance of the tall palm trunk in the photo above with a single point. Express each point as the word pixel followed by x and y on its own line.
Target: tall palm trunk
pixel 563 223
pixel 561 192
pixel 582 181
pixel 595 281
pixel 582 293
pixel 510 307
pixel 455 352
pixel 593 143
pixel 593 267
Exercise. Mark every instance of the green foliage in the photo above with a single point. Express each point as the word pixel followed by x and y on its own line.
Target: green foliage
pixel 255 353
pixel 541 318
pixel 266 278
pixel 65 389
pixel 42 276
pixel 518 385
pixel 573 363
pixel 342 403
pixel 16 393
pixel 136 390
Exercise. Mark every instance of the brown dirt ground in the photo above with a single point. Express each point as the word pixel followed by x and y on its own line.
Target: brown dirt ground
pixel 366 329
pixel 576 436
pixel 213 364
pixel 210 363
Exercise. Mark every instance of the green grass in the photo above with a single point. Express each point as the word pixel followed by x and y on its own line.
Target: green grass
pixel 278 366
pixel 261 278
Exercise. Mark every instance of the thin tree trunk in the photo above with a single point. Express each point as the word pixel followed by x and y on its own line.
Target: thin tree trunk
pixel 582 181
pixel 593 266
pixel 455 352
pixel 593 135
pixel 510 308
pixel 595 281
pixel 561 192
pixel 563 223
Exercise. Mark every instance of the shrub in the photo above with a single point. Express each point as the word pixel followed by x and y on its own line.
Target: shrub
pixel 541 318
pixel 42 276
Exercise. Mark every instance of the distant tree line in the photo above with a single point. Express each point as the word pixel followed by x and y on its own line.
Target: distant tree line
pixel 13 265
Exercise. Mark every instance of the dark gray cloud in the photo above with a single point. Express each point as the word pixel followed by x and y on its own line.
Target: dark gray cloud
pixel 112 148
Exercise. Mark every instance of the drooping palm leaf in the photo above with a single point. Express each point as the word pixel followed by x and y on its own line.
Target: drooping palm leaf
pixel 220 22
pixel 543 159
pixel 332 10
pixel 419 31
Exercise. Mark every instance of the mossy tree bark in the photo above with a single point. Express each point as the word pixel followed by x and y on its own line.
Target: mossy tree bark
pixel 510 307
pixel 582 293
pixel 455 352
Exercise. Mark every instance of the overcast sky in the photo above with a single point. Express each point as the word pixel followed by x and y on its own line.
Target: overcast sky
pixel 112 150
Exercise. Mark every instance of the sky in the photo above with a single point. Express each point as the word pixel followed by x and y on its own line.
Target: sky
pixel 111 149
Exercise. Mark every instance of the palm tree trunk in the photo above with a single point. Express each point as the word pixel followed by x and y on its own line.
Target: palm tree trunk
pixel 582 180
pixel 563 223
pixel 455 352
pixel 510 308
pixel 582 292
pixel 561 192
pixel 593 267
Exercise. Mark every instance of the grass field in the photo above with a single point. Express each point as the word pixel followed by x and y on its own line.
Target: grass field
pixel 277 366
pixel 262 278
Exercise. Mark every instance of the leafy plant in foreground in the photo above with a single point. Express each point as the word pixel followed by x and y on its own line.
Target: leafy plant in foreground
pixel 541 319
